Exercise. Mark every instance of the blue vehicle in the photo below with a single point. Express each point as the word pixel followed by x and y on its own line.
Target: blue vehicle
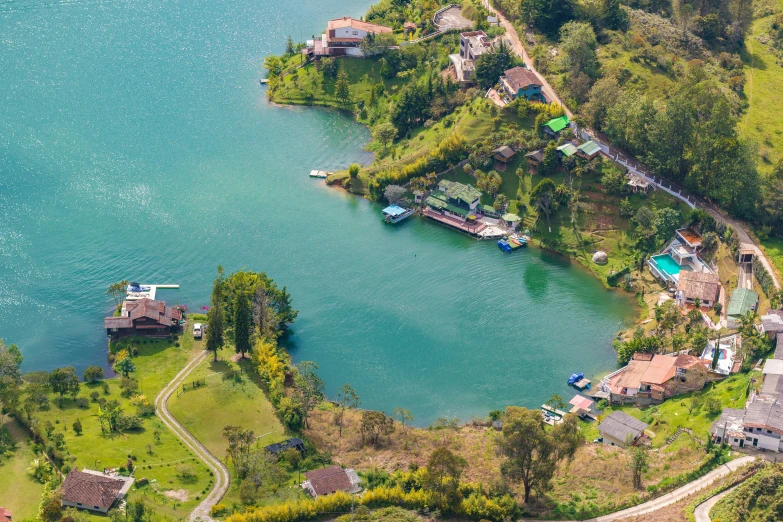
pixel 575 377
pixel 504 246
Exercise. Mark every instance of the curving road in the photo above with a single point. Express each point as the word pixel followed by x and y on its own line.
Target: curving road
pixel 702 511
pixel 219 470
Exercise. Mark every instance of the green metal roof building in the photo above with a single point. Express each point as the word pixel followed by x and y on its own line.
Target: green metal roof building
pixel 460 194
pixel 555 125
pixel 438 201
pixel 741 302
pixel 589 149
pixel 567 150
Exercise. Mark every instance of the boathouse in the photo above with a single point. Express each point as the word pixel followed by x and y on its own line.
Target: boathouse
pixel 144 318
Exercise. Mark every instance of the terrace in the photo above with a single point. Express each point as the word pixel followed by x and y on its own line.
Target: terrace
pixel 681 254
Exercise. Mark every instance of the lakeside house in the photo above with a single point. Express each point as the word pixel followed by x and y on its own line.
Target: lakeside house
pixel 143 318
pixel 704 286
pixel 504 154
pixel 329 480
pixel 728 359
pixel 472 44
pixel 760 424
pixel 521 82
pixel 458 206
pixel 651 379
pixel 620 429
pixel 93 490
pixel 742 301
pixel 555 125
pixel 679 256
pixel 343 37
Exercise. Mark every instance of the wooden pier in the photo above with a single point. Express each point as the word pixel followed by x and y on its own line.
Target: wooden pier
pixel 147 294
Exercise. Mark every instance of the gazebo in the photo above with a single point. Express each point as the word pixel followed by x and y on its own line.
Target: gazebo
pixel 511 220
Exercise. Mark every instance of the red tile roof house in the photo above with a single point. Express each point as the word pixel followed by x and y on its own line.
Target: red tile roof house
pixel 93 491
pixel 146 318
pixel 343 37
pixel 325 481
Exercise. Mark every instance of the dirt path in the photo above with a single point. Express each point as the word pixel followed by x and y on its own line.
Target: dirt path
pixel 219 470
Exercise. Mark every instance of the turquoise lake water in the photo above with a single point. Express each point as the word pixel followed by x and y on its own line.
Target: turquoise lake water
pixel 135 142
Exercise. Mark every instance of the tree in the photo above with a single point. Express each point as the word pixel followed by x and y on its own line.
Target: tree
pixel 713 405
pixel 695 403
pixel 342 89
pixel 374 424
pixel 240 443
pixel 709 241
pixel 645 222
pixel 500 202
pixel 602 95
pixel 491 65
pixel 444 470
pixel 405 417
pixel 667 220
pixel 346 398
pixel 118 290
pixel 639 464
pixel 528 448
pixel 93 374
pixel 242 324
pixel 543 198
pixel 215 316
pixel 309 388
pixel 77 427
pixel 550 162
pixel 489 182
pixel 289 46
pixel 10 375
pixel 125 366
pixel 393 194
pixel 353 170
pixel 556 401
pixel 578 43
pixel 274 65
pixel 64 381
pixel 384 133
pixel 614 17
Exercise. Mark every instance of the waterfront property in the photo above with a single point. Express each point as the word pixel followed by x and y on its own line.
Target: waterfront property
pixel 328 480
pixel 472 44
pixel 742 301
pixel 651 379
pixel 760 424
pixel 521 82
pixel 456 205
pixel 343 37
pixel 620 429
pixel 728 359
pixel 582 406
pixel 93 490
pixel 395 213
pixel 555 125
pixel 681 255
pixel 144 318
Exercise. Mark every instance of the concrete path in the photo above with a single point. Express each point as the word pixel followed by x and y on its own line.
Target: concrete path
pixel 219 470
pixel 702 511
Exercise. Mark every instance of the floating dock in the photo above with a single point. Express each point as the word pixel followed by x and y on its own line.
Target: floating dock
pixel 319 173
pixel 147 292
pixel 581 384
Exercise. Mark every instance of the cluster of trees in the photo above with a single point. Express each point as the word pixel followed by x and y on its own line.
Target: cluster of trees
pixel 491 65
pixel 246 305
pixel 254 466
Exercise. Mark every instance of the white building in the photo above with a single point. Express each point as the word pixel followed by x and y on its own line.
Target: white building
pixel 344 36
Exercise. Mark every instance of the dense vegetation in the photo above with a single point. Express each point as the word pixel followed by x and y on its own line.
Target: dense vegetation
pixel 759 498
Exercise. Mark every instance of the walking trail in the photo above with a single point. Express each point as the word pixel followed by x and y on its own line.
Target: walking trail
pixel 219 470
pixel 744 237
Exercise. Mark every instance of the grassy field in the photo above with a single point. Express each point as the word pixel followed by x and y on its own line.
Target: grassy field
pixel 773 247
pixel 763 120
pixel 156 450
pixel 19 493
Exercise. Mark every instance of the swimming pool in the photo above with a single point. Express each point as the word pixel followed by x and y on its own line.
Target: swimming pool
pixel 666 265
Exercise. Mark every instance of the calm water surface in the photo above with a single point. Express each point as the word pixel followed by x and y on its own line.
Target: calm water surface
pixel 136 143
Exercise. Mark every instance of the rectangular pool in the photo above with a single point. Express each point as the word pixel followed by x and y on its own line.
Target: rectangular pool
pixel 667 265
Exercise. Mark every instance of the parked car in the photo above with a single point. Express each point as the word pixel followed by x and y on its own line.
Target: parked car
pixel 198 331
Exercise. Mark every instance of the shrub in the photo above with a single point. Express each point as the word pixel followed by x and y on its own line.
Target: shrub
pixel 186 472
pixel 94 396
pixel 353 170
pixel 77 427
pixel 93 374
pixel 129 422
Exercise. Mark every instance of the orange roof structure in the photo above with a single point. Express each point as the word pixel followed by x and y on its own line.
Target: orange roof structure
pixel 632 376
pixel 660 370
pixel 347 21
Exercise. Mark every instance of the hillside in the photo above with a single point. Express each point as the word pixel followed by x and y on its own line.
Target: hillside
pixel 760 498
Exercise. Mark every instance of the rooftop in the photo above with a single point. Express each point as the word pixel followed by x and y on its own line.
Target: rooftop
pixel 619 425
pixel 764 414
pixel 91 489
pixel 704 286
pixel 690 236
pixel 773 367
pixel 772 321
pixel 773 386
pixel 505 151
pixel 327 480
pixel 521 78
pixel 394 211
pixel 558 124
pixel 360 25
pixel 459 192
pixel 589 148
pixel 581 402
pixel 742 301
pixel 537 155
pixel 568 149
pixel 660 370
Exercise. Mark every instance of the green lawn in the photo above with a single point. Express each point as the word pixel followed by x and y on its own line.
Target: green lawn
pixel 19 493
pixel 763 120
pixel 773 247
pixel 156 364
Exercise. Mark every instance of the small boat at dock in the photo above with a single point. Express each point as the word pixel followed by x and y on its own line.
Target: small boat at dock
pixel 319 174
pixel 396 213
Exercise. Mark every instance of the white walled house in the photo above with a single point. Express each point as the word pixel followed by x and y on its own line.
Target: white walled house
pixel 344 36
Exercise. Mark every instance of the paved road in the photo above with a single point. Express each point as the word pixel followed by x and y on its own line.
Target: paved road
pixel 702 511
pixel 550 93
pixel 220 471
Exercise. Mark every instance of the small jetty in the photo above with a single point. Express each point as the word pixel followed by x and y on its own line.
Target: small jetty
pixel 135 291
pixel 511 243
pixel 396 213
pixel 552 415
pixel 263 81
pixel 319 173
pixel 578 381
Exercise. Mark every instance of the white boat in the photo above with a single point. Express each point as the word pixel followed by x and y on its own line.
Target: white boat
pixel 319 173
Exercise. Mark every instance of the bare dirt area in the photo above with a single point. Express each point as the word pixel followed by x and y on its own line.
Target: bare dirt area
pixel 179 495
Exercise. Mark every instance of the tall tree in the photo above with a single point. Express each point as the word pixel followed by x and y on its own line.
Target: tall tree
pixel 546 15
pixel 309 388
pixel 578 43
pixel 118 291
pixel 543 198
pixel 639 464
pixel 64 381
pixel 374 424
pixel 10 375
pixel 405 417
pixel 444 470
pixel 242 324
pixel 125 366
pixel 240 444
pixel 342 89
pixel 215 319
pixel 347 398
pixel 491 65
